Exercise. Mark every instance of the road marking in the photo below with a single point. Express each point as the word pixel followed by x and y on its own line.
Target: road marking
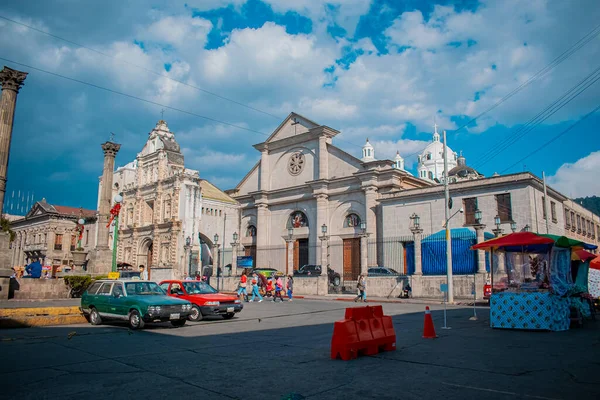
pixel 499 391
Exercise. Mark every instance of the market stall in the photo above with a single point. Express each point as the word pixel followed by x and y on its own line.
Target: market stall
pixel 530 279
pixel 594 279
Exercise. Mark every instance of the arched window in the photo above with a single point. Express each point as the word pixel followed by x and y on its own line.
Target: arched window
pixel 352 221
pixel 430 175
pixel 251 231
pixel 297 220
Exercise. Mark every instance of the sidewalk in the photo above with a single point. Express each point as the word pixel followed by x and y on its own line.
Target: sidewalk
pixel 39 303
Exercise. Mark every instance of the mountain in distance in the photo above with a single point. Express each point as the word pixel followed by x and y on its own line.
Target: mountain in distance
pixel 592 203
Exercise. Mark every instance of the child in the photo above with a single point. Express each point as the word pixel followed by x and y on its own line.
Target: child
pixel 290 287
pixel 278 289
pixel 269 290
pixel 243 284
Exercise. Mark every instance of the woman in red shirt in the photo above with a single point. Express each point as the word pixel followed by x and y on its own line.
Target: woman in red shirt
pixel 243 285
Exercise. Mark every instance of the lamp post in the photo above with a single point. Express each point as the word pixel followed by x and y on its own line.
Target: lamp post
pixel 364 255
pixel 216 257
pixel 234 249
pixel 80 228
pixel 527 228
pixel 479 231
pixel 324 250
pixel 290 251
pixel 114 212
pixel 497 222
pixel 415 228
pixel 513 226
pixel 188 248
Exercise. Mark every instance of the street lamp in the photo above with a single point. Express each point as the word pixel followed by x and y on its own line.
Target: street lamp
pixel 80 228
pixel 513 226
pixel 497 222
pixel 415 221
pixel 290 233
pixel 235 237
pixel 363 227
pixel 478 216
pixel 324 229
pixel 527 228
pixel 114 212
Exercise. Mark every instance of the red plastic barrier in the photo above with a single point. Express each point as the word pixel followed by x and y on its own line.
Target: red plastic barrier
pixel 364 331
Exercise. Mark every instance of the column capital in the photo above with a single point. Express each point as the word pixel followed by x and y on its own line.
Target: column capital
pixel 321 196
pixel 416 231
pixel 110 149
pixel 370 188
pixel 479 227
pixel 11 79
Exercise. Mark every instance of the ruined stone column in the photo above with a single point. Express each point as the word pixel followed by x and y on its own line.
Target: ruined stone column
pixel 110 151
pixel 11 80
pixel 479 230
pixel 418 261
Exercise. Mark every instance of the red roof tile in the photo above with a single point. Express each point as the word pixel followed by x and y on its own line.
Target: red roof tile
pixel 64 210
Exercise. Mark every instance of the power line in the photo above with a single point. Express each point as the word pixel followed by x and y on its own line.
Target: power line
pixel 136 97
pixel 539 74
pixel 140 67
pixel 546 113
pixel 554 138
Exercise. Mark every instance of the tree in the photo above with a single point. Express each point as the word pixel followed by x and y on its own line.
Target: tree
pixel 5 225
pixel 591 203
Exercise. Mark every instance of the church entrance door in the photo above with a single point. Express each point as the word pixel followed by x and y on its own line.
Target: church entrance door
pixel 300 253
pixel 351 259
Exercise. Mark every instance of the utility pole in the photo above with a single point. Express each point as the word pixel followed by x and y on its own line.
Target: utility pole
pixel 546 204
pixel 448 237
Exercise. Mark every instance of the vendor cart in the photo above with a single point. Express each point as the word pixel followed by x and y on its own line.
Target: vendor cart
pixel 531 282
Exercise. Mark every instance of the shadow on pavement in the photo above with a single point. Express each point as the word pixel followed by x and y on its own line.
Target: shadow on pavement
pixel 268 358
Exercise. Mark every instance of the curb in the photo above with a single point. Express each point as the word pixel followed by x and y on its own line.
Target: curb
pixel 42 316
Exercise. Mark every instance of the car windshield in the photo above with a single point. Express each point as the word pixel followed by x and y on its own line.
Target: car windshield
pixel 143 289
pixel 198 288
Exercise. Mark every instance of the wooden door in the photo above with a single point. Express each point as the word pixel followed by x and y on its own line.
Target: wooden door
pixel 351 259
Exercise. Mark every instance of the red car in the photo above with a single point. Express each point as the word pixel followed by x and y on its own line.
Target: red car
pixel 205 299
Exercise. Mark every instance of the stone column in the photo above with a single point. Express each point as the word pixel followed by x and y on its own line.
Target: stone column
pixel 371 217
pixel 500 256
pixel 110 151
pixel 215 264
pixel 11 80
pixel 324 241
pixel 234 253
pixel 479 229
pixel 418 260
pixel 290 257
pixel 264 169
pixel 262 232
pixel 364 257
pixel 323 158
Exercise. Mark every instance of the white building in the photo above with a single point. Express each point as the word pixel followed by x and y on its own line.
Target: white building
pixel 303 183
pixel 162 210
pixel 431 161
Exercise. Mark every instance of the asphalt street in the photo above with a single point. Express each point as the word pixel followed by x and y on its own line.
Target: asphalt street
pixel 270 351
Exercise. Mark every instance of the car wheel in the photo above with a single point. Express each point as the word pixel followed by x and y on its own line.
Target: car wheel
pixel 195 315
pixel 178 323
pixel 228 316
pixel 95 318
pixel 135 320
pixel 336 281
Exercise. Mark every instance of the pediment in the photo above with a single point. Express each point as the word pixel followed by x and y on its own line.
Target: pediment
pixel 293 125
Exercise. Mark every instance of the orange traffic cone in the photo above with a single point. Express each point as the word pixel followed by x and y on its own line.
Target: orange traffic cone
pixel 428 328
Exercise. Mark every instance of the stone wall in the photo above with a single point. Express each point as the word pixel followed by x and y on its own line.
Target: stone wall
pixel 386 287
pixel 303 286
pixel 429 286
pixel 28 289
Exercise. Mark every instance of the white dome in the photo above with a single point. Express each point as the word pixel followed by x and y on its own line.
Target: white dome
pixel 431 161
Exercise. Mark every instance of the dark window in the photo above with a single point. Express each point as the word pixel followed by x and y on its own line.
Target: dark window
pixel 543 207
pixel 553 211
pixel 470 206
pixel 504 207
pixel 567 219
pixel 87 237
pixel 105 289
pixel 58 241
pixel 578 223
pixel 73 242
pixel 584 222
pixel 573 221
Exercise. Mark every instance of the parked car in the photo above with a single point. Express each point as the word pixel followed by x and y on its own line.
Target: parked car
pixel 128 271
pixel 381 271
pixel 311 269
pixel 137 302
pixel 205 299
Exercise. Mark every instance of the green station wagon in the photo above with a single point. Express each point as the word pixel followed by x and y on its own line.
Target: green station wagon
pixel 134 301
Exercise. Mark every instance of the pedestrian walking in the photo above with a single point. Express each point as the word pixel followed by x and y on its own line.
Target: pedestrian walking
pixel 255 291
pixel 362 289
pixel 290 287
pixel 242 288
pixel 278 289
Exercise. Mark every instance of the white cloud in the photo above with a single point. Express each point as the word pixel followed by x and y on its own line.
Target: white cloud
pixel 578 179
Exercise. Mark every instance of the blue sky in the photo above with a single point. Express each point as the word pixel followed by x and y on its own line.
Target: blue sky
pixel 380 69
